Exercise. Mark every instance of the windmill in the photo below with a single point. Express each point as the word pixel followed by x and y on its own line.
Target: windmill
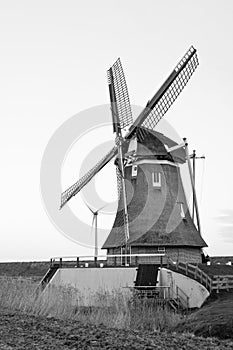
pixel 152 213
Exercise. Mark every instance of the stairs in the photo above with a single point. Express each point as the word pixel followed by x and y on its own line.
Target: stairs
pixel 49 274
pixel 174 304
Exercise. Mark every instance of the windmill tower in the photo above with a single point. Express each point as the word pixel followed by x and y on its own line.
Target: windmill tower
pixel 153 214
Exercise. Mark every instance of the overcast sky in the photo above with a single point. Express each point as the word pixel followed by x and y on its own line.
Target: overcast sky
pixel 54 56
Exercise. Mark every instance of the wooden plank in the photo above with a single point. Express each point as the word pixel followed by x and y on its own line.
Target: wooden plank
pixel 222 287
pixel 214 283
pixel 223 276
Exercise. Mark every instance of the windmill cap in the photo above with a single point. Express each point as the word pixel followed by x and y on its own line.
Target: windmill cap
pixel 155 144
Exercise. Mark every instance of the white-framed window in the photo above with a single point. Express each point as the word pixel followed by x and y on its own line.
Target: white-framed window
pixel 161 249
pixel 134 171
pixel 156 179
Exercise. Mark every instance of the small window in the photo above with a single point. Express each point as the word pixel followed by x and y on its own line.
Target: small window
pixel 161 249
pixel 134 171
pixel 156 179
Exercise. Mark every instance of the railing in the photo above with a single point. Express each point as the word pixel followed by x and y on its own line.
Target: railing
pixel 192 271
pixel 106 260
pixel 222 282
pixel 213 283
pixel 162 292
pixel 163 295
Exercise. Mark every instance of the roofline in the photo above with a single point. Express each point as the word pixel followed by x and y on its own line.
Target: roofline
pixel 158 245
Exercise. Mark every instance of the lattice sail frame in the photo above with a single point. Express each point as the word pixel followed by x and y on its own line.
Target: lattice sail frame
pixel 116 78
pixel 119 182
pixel 149 117
pixel 77 186
pixel 167 94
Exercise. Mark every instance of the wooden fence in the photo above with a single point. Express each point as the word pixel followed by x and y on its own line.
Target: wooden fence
pixel 214 283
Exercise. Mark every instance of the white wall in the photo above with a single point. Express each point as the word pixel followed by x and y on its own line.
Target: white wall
pixel 196 292
pixel 101 282
pixel 91 281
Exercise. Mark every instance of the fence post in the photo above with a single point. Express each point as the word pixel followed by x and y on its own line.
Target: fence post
pixel 218 280
pixel 201 277
pixel 77 261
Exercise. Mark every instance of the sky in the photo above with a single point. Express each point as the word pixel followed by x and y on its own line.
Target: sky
pixel 54 56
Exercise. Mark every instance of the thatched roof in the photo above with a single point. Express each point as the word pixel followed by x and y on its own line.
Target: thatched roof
pixel 156 144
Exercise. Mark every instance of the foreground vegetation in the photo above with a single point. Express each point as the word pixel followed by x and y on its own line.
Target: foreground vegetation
pixel 113 310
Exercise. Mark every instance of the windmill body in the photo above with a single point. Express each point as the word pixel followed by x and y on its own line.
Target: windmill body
pixel 159 217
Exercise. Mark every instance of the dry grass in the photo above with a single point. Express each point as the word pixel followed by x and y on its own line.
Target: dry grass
pixel 110 309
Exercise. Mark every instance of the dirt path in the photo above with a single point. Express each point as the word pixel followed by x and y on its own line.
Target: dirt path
pixel 20 331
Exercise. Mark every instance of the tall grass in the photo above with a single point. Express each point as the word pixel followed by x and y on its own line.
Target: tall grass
pixel 115 309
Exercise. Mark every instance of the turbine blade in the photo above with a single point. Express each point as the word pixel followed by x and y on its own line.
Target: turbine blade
pixel 89 208
pixel 92 224
pixel 167 94
pixel 97 211
pixel 77 186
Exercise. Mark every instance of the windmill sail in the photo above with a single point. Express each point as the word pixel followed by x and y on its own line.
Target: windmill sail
pixel 148 118
pixel 77 186
pixel 167 94
pixel 119 183
pixel 120 103
pixel 121 117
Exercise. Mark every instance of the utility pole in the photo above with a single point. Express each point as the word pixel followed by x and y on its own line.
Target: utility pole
pixel 192 182
pixel 194 157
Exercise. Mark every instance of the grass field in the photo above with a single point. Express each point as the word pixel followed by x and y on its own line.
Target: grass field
pixel 24 269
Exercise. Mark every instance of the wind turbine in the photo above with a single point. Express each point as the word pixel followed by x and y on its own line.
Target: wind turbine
pixel 94 223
